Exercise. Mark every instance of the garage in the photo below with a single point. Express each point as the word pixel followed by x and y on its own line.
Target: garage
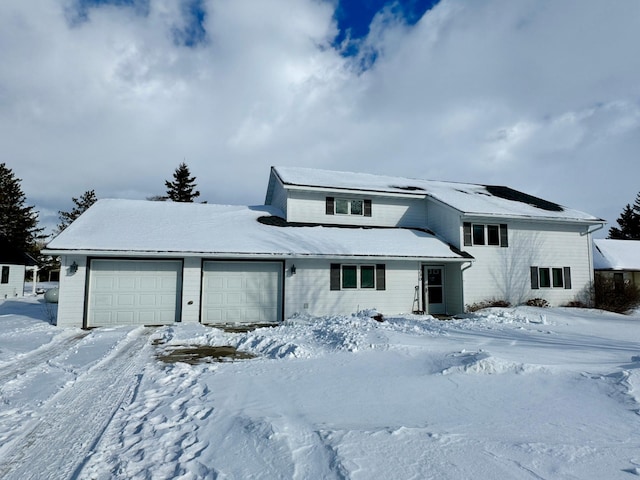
pixel 134 292
pixel 241 292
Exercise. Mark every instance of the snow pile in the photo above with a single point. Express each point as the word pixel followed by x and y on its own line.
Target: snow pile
pixel 483 363
pixel 509 393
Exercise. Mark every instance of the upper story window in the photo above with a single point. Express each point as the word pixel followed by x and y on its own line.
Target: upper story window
pixel 348 206
pixel 5 274
pixel 485 234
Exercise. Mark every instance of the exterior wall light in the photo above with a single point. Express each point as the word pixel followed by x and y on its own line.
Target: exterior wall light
pixel 293 269
pixel 73 268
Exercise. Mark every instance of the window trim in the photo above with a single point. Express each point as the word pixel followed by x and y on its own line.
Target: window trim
pixel 471 233
pixel 549 281
pixel 336 276
pixel 4 276
pixel 331 206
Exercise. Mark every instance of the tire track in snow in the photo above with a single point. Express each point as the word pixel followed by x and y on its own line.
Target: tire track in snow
pixel 57 443
pixel 24 363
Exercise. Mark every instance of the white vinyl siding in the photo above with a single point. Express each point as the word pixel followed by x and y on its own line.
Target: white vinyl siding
pixel 305 206
pixel 445 221
pixel 505 273
pixel 134 292
pixel 308 291
pixel 191 289
pixel 14 284
pixel 278 195
pixel 71 301
pixel 241 292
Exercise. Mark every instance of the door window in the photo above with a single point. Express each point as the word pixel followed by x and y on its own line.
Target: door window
pixel 434 285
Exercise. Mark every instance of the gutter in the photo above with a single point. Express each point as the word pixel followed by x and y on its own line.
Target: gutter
pixel 245 255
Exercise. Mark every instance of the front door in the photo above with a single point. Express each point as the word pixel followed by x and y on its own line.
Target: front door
pixel 433 277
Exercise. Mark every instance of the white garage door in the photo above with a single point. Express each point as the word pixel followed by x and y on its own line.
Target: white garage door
pixel 133 292
pixel 242 292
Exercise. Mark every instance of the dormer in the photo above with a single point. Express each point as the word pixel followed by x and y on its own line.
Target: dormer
pixel 324 197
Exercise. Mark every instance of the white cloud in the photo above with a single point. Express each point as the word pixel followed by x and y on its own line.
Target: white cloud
pixel 539 95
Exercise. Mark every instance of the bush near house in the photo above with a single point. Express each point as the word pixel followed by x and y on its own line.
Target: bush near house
pixel 620 297
pixel 537 302
pixel 474 307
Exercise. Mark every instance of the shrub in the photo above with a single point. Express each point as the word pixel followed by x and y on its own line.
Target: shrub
pixel 537 302
pixel 619 297
pixel 474 307
pixel 576 304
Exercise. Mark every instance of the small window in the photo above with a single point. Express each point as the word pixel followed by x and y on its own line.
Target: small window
pixel 545 278
pixel 342 206
pixel 346 206
pixel 367 276
pixel 618 282
pixel 349 276
pixel 557 278
pixel 5 275
pixel 493 235
pixel 478 234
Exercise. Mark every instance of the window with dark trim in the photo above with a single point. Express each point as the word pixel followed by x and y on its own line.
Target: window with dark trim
pixel 5 275
pixel 351 276
pixel 348 206
pixel 618 282
pixel 551 277
pixel 485 234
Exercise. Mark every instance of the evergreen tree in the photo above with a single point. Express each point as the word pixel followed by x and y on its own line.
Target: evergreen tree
pixel 87 199
pixel 18 222
pixel 629 223
pixel 182 189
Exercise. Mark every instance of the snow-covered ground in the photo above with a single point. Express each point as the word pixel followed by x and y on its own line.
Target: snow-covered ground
pixel 520 393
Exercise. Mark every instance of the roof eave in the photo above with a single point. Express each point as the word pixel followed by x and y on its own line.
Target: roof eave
pixel 532 218
pixel 239 255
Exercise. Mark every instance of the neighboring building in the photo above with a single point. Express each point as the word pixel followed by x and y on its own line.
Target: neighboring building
pixel 13 264
pixel 325 243
pixel 617 259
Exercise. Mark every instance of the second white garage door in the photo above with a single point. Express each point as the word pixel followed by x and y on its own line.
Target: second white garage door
pixel 241 292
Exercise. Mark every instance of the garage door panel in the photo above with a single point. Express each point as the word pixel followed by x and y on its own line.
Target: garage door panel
pixel 148 300
pixel 234 282
pixel 125 300
pixel 214 299
pixel 149 283
pixel 134 292
pixel 242 292
pixel 234 299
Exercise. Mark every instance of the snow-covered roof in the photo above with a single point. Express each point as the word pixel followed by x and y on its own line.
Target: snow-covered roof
pixel 136 226
pixel 611 254
pixel 470 199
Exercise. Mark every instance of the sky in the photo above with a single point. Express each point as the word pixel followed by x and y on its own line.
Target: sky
pixel 112 95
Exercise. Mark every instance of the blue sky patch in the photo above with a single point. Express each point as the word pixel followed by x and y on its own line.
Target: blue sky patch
pixel 79 12
pixel 193 31
pixel 190 33
pixel 354 20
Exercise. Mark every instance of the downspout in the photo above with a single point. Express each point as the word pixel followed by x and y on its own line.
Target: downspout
pixel 589 233
pixel 462 270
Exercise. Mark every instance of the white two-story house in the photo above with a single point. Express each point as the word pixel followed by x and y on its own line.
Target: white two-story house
pixel 325 242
